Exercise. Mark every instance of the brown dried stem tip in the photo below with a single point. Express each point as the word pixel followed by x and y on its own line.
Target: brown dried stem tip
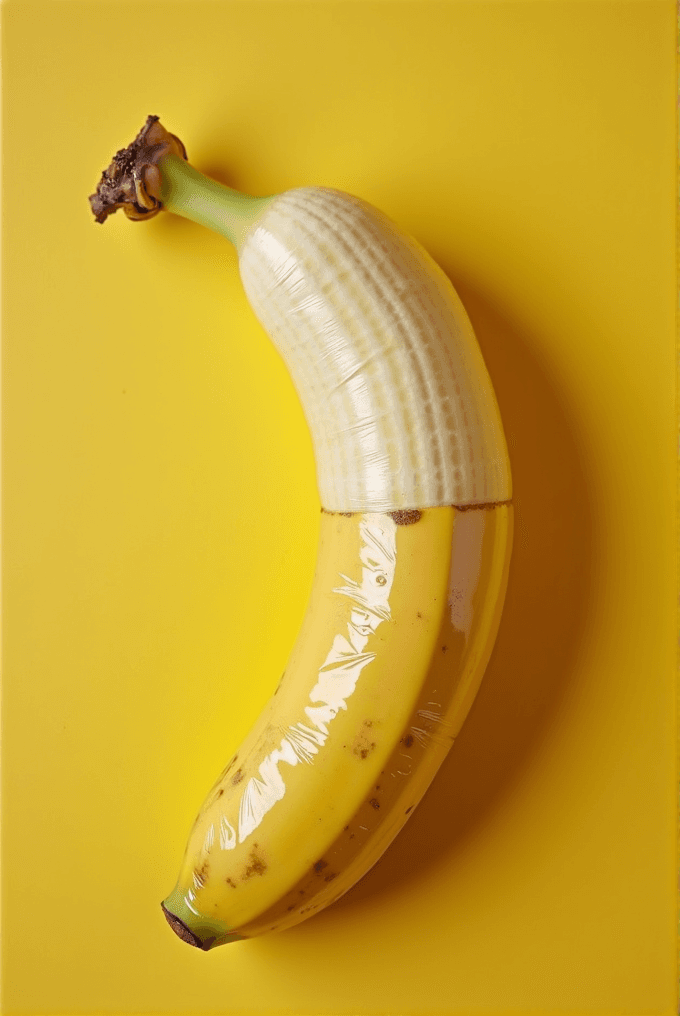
pixel 132 181
pixel 181 930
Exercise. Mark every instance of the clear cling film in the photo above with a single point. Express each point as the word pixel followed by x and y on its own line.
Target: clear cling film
pixel 400 624
pixel 390 376
pixel 415 485
pixel 350 652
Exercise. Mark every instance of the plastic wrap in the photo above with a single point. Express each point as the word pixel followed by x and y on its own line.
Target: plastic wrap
pixel 401 621
pixel 382 354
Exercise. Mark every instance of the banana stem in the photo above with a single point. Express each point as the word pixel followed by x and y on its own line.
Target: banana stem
pixel 153 173
pixel 189 193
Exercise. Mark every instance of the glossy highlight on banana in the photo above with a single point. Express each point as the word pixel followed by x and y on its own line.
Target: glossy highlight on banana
pixel 415 543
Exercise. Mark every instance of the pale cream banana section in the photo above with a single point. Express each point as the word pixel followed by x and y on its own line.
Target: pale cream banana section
pixel 391 379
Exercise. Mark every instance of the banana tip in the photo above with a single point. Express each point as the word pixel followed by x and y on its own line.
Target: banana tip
pixel 181 930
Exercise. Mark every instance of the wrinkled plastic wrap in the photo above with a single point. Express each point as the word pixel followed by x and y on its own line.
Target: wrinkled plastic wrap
pixel 382 354
pixel 401 622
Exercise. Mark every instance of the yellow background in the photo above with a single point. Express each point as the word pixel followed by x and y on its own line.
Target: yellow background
pixel 160 511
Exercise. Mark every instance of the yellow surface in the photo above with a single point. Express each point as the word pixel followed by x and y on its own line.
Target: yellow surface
pixel 160 513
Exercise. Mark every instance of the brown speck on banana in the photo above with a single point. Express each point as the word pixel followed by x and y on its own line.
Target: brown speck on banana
pixel 363 745
pixel 421 735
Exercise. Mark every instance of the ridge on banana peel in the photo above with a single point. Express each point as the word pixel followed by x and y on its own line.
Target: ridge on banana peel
pixel 415 543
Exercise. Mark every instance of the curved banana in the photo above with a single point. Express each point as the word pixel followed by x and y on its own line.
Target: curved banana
pixel 415 542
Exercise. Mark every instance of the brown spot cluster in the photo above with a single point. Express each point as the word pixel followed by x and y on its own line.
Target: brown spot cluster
pixel 255 866
pixel 318 867
pixel 363 746
pixel 237 777
pixel 202 872
pixel 406 517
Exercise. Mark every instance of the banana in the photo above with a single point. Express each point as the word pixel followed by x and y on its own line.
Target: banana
pixel 415 543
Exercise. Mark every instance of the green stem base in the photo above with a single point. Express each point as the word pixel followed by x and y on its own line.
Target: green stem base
pixel 188 192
